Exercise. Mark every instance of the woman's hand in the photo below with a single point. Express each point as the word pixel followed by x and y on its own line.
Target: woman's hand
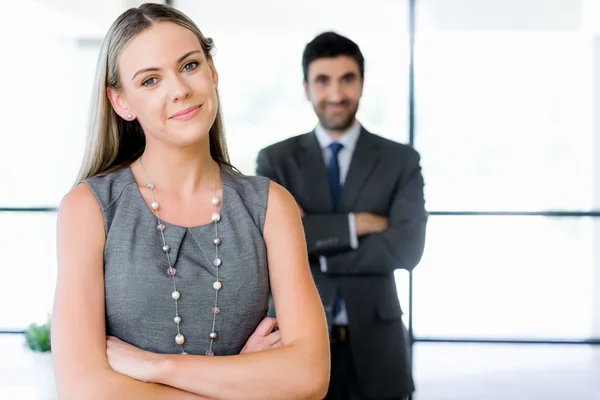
pixel 141 365
pixel 264 337
pixel 131 361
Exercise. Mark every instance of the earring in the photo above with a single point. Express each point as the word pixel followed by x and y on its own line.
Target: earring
pixel 129 116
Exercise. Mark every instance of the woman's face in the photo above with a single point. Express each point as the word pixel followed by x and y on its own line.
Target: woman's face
pixel 168 84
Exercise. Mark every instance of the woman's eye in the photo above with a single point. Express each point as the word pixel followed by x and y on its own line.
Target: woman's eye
pixel 190 66
pixel 149 82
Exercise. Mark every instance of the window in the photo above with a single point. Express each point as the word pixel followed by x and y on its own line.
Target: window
pixel 496 276
pixel 47 86
pixel 504 119
pixel 504 123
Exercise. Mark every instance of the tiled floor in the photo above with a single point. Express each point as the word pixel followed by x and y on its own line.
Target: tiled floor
pixel 506 372
pixel 23 375
pixel 443 372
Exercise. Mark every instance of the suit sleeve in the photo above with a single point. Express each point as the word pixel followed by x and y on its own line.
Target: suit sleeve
pixel 401 245
pixel 326 234
pixel 264 167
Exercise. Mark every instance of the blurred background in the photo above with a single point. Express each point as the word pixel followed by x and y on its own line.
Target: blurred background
pixel 500 97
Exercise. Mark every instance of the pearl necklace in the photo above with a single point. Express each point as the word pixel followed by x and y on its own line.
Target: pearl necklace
pixel 171 271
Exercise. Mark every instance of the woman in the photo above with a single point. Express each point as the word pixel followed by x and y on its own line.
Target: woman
pixel 168 250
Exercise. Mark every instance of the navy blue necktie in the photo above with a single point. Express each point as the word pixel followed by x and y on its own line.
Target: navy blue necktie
pixel 333 170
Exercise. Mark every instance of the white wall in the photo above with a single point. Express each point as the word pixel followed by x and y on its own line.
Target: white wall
pixel 98 13
pixel 296 16
pixel 506 15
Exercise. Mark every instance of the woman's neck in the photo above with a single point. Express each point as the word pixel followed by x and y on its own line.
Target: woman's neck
pixel 180 172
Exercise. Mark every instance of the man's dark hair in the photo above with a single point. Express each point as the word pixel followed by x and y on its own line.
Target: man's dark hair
pixel 331 44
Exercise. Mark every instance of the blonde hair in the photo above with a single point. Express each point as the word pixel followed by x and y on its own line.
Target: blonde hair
pixel 113 142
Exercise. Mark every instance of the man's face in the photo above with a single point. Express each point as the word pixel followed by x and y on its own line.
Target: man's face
pixel 334 87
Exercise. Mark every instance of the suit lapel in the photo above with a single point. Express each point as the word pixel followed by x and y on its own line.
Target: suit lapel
pixel 364 160
pixel 317 195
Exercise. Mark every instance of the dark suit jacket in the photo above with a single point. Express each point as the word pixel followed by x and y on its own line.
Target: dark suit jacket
pixel 384 179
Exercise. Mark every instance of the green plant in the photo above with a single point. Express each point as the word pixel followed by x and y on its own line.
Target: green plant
pixel 37 337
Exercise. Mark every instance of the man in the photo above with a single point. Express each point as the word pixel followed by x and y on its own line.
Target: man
pixel 361 198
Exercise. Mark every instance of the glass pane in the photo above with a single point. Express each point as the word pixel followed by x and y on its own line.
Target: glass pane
pixel 505 277
pixel 28 268
pixel 504 105
pixel 259 54
pixel 499 372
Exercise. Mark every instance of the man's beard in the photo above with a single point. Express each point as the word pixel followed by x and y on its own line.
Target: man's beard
pixel 342 126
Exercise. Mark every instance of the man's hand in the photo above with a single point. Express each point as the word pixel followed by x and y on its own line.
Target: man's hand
pixel 367 223
pixel 264 337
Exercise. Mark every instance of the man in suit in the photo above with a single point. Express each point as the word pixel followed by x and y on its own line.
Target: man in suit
pixel 361 198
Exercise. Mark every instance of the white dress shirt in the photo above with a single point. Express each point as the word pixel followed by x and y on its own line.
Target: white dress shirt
pixel 348 140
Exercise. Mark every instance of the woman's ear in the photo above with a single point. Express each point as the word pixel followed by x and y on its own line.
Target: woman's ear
pixel 119 104
pixel 213 72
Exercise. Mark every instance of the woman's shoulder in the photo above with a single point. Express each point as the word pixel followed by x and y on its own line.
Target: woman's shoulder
pixel 255 189
pixel 250 188
pixel 108 187
pixel 79 211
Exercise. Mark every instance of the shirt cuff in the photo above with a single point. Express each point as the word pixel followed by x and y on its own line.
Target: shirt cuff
pixel 323 263
pixel 353 237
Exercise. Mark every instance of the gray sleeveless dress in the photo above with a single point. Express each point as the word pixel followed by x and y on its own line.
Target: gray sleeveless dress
pixel 139 306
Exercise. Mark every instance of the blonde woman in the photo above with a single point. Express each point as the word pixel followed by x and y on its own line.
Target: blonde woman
pixel 166 254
